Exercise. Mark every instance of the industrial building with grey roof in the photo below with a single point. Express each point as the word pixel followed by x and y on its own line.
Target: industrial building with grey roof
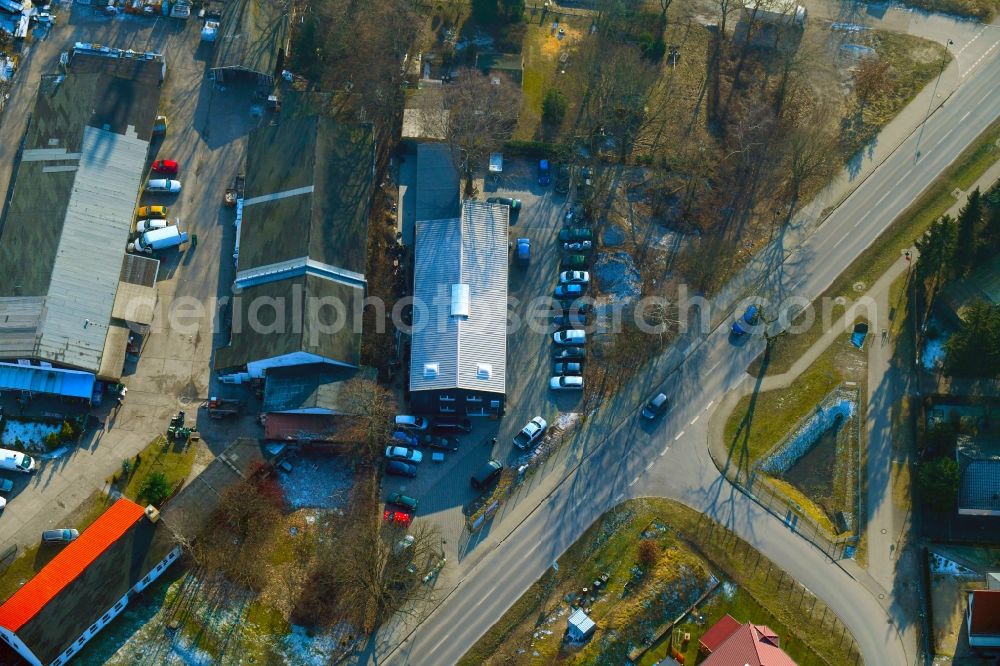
pixel 300 280
pixel 458 361
pixel 62 244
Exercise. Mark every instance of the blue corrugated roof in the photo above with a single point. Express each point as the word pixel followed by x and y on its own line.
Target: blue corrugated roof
pixel 54 381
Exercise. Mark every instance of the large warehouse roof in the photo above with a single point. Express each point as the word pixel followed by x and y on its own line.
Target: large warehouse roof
pixel 460 308
pixel 75 191
pixel 254 36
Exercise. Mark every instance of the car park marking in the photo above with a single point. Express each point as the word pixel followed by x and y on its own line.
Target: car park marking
pixel 695 419
pixel 679 435
pixel 664 451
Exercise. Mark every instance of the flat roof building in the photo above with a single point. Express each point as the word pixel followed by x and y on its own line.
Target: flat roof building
pixel 300 281
pixel 62 245
pixel 458 360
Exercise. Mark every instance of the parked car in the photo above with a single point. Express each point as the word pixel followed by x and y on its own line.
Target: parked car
pixel 398 518
pixel 3 503
pixel 405 501
pixel 403 453
pixel 411 422
pixel 570 337
pixel 523 250
pixel 531 433
pixel 746 322
pixel 168 167
pixel 404 437
pixel 59 536
pixel 579 246
pixel 570 321
pixel 570 354
pixel 656 407
pixel 6 485
pixel 142 226
pixel 544 175
pixel 576 234
pixel 439 442
pixel 569 216
pixel 574 261
pixel 586 174
pixel 567 368
pixel 400 468
pixel 566 383
pixel 569 290
pixel 576 307
pixel 446 424
pixel 513 204
pixel 562 179
pixel 164 185
pixel 486 475
pixel 574 277
pixel 150 212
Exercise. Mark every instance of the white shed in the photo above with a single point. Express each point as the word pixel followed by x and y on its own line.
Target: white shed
pixel 580 626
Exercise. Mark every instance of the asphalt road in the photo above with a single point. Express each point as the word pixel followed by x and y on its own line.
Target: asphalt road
pixel 671 460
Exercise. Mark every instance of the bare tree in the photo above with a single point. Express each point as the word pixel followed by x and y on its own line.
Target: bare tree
pixel 482 114
pixel 371 573
pixel 375 406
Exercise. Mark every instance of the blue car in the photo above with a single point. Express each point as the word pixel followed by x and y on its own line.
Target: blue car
pixel 748 321
pixel 544 175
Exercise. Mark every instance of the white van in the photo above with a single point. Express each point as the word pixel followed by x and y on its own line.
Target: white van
pixel 15 461
pixel 158 239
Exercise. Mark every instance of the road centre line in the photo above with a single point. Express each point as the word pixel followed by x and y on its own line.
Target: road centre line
pixel 965 116
pixel 535 547
pixel 619 498
pixel 650 465
pixel 634 481
pixel 709 405
pixel 717 363
pixel 842 239
pixel 664 451
pixel 679 435
pixel 695 419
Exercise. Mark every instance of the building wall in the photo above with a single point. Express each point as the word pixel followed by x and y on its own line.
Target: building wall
pixel 12 640
pixel 458 402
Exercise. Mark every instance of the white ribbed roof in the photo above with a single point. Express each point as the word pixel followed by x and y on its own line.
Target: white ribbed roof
pixel 470 250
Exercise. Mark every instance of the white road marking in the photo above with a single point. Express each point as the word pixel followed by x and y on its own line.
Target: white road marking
pixel 636 479
pixel 664 451
pixel 843 238
pixel 709 405
pixel 695 419
pixel 976 64
pixel 969 43
pixel 941 141
pixel 650 465
pixel 965 116
pixel 983 99
pixel 620 496
pixel 717 363
pixel 679 435
pixel 535 547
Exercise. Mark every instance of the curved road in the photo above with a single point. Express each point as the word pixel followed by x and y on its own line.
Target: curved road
pixel 671 459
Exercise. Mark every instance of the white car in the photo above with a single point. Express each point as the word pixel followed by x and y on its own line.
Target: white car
pixel 163 185
pixel 404 454
pixel 531 433
pixel 574 383
pixel 411 422
pixel 574 277
pixel 143 226
pixel 571 337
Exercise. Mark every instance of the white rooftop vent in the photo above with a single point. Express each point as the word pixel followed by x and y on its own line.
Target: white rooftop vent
pixel 431 370
pixel 484 371
pixel 459 300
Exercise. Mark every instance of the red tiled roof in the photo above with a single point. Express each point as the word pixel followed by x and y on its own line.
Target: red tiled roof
pixel 68 564
pixel 750 645
pixel 719 632
pixel 985 613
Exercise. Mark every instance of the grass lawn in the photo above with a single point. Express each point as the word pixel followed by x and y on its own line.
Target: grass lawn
pixel 174 460
pixel 691 547
pixel 900 235
pixel 541 50
pixel 31 559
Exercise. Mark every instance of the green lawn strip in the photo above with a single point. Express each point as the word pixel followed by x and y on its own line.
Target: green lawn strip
pixel 766 596
pixel 174 460
pixel 31 559
pixel 900 235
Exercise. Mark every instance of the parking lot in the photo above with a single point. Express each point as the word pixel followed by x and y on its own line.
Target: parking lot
pixel 207 136
pixel 443 488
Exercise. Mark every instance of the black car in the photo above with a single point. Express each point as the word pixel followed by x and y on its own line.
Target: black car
pixel 570 354
pixel 655 407
pixel 400 468
pixel 487 475
pixel 451 424
pixel 438 442
pixel 562 178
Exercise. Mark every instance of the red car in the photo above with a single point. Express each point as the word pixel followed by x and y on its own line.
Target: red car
pixel 165 166
pixel 399 518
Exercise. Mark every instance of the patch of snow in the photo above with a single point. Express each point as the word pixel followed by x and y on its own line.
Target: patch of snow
pixel 317 481
pixel 58 453
pixel 27 432
pixel 301 648
pixel 566 420
pixel 933 356
pixel 942 565
pixel 617 276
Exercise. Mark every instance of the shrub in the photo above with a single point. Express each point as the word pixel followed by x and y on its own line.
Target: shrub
pixel 649 553
pixel 939 480
pixel 67 432
pixel 553 107
pixel 52 441
pixel 155 489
